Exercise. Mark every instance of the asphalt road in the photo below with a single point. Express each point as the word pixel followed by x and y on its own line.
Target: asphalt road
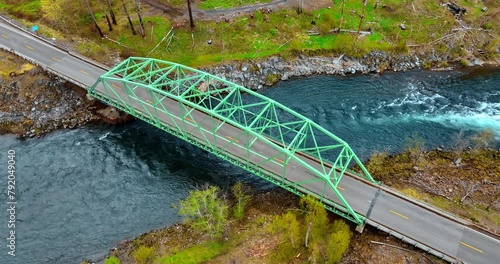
pixel 385 210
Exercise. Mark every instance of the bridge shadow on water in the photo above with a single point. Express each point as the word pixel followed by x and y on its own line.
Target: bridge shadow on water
pixel 170 159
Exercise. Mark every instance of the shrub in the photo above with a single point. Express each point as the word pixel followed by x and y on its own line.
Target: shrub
pixel 272 79
pixel 338 242
pixel 483 139
pixel 144 255
pixel 112 260
pixel 316 217
pixel 194 254
pixel 240 194
pixel 205 211
pixel 401 46
pixel 443 64
pixel 464 63
pixel 376 164
pixel 289 226
pixel 273 31
pixel 283 253
pixel 487 25
pixel 414 148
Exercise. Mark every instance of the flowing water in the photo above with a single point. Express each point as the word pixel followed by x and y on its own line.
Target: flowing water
pixel 81 191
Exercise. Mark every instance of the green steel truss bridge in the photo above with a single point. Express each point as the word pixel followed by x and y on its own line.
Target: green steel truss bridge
pixel 237 124
pixel 262 136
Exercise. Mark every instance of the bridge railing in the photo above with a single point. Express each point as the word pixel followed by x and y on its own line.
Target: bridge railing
pixel 172 97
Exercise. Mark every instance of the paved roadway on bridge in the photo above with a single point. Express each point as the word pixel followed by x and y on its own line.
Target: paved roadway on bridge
pixel 381 207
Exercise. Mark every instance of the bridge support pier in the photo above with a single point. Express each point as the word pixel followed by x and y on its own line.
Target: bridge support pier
pixel 360 228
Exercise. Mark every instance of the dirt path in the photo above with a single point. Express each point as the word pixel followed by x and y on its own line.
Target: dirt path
pixel 200 14
pixel 276 4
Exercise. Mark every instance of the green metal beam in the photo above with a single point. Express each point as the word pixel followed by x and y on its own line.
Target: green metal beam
pixel 148 91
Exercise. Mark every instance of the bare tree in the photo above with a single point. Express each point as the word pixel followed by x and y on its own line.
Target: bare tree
pixel 93 18
pixel 128 17
pixel 300 8
pixel 494 198
pixel 306 242
pixel 469 189
pixel 191 22
pixel 141 29
pixel 362 16
pixel 110 9
pixel 459 144
pixel 110 27
pixel 341 15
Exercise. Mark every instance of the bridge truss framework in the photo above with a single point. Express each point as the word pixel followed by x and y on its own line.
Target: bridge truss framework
pixel 145 88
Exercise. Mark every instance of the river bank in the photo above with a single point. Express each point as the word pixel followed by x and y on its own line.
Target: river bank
pixel 33 103
pixel 441 183
pixel 266 72
pixel 251 241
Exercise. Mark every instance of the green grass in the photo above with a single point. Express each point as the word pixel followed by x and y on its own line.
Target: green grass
pixel 213 4
pixel 473 213
pixel 27 9
pixel 282 32
pixel 112 260
pixel 194 254
pixel 174 2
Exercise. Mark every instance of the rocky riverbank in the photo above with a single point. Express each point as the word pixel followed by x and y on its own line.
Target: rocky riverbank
pixel 257 74
pixel 33 103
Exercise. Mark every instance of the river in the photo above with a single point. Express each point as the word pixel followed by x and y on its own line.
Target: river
pixel 81 191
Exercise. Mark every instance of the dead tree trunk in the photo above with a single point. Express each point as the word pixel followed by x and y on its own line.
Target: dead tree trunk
pixel 469 189
pixel 110 27
pixel 191 22
pixel 141 29
pixel 128 17
pixel 300 7
pixel 93 18
pixel 362 16
pixel 306 242
pixel 110 9
pixel 341 15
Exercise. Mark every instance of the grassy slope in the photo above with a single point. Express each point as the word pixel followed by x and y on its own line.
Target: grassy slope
pixel 211 4
pixel 283 32
pixel 252 241
pixel 434 178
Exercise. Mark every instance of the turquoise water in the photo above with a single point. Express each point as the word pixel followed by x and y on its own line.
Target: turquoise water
pixel 81 191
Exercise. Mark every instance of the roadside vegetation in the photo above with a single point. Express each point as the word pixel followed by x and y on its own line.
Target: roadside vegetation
pixel 464 180
pixel 223 226
pixel 392 26
pixel 215 4
pixel 300 231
